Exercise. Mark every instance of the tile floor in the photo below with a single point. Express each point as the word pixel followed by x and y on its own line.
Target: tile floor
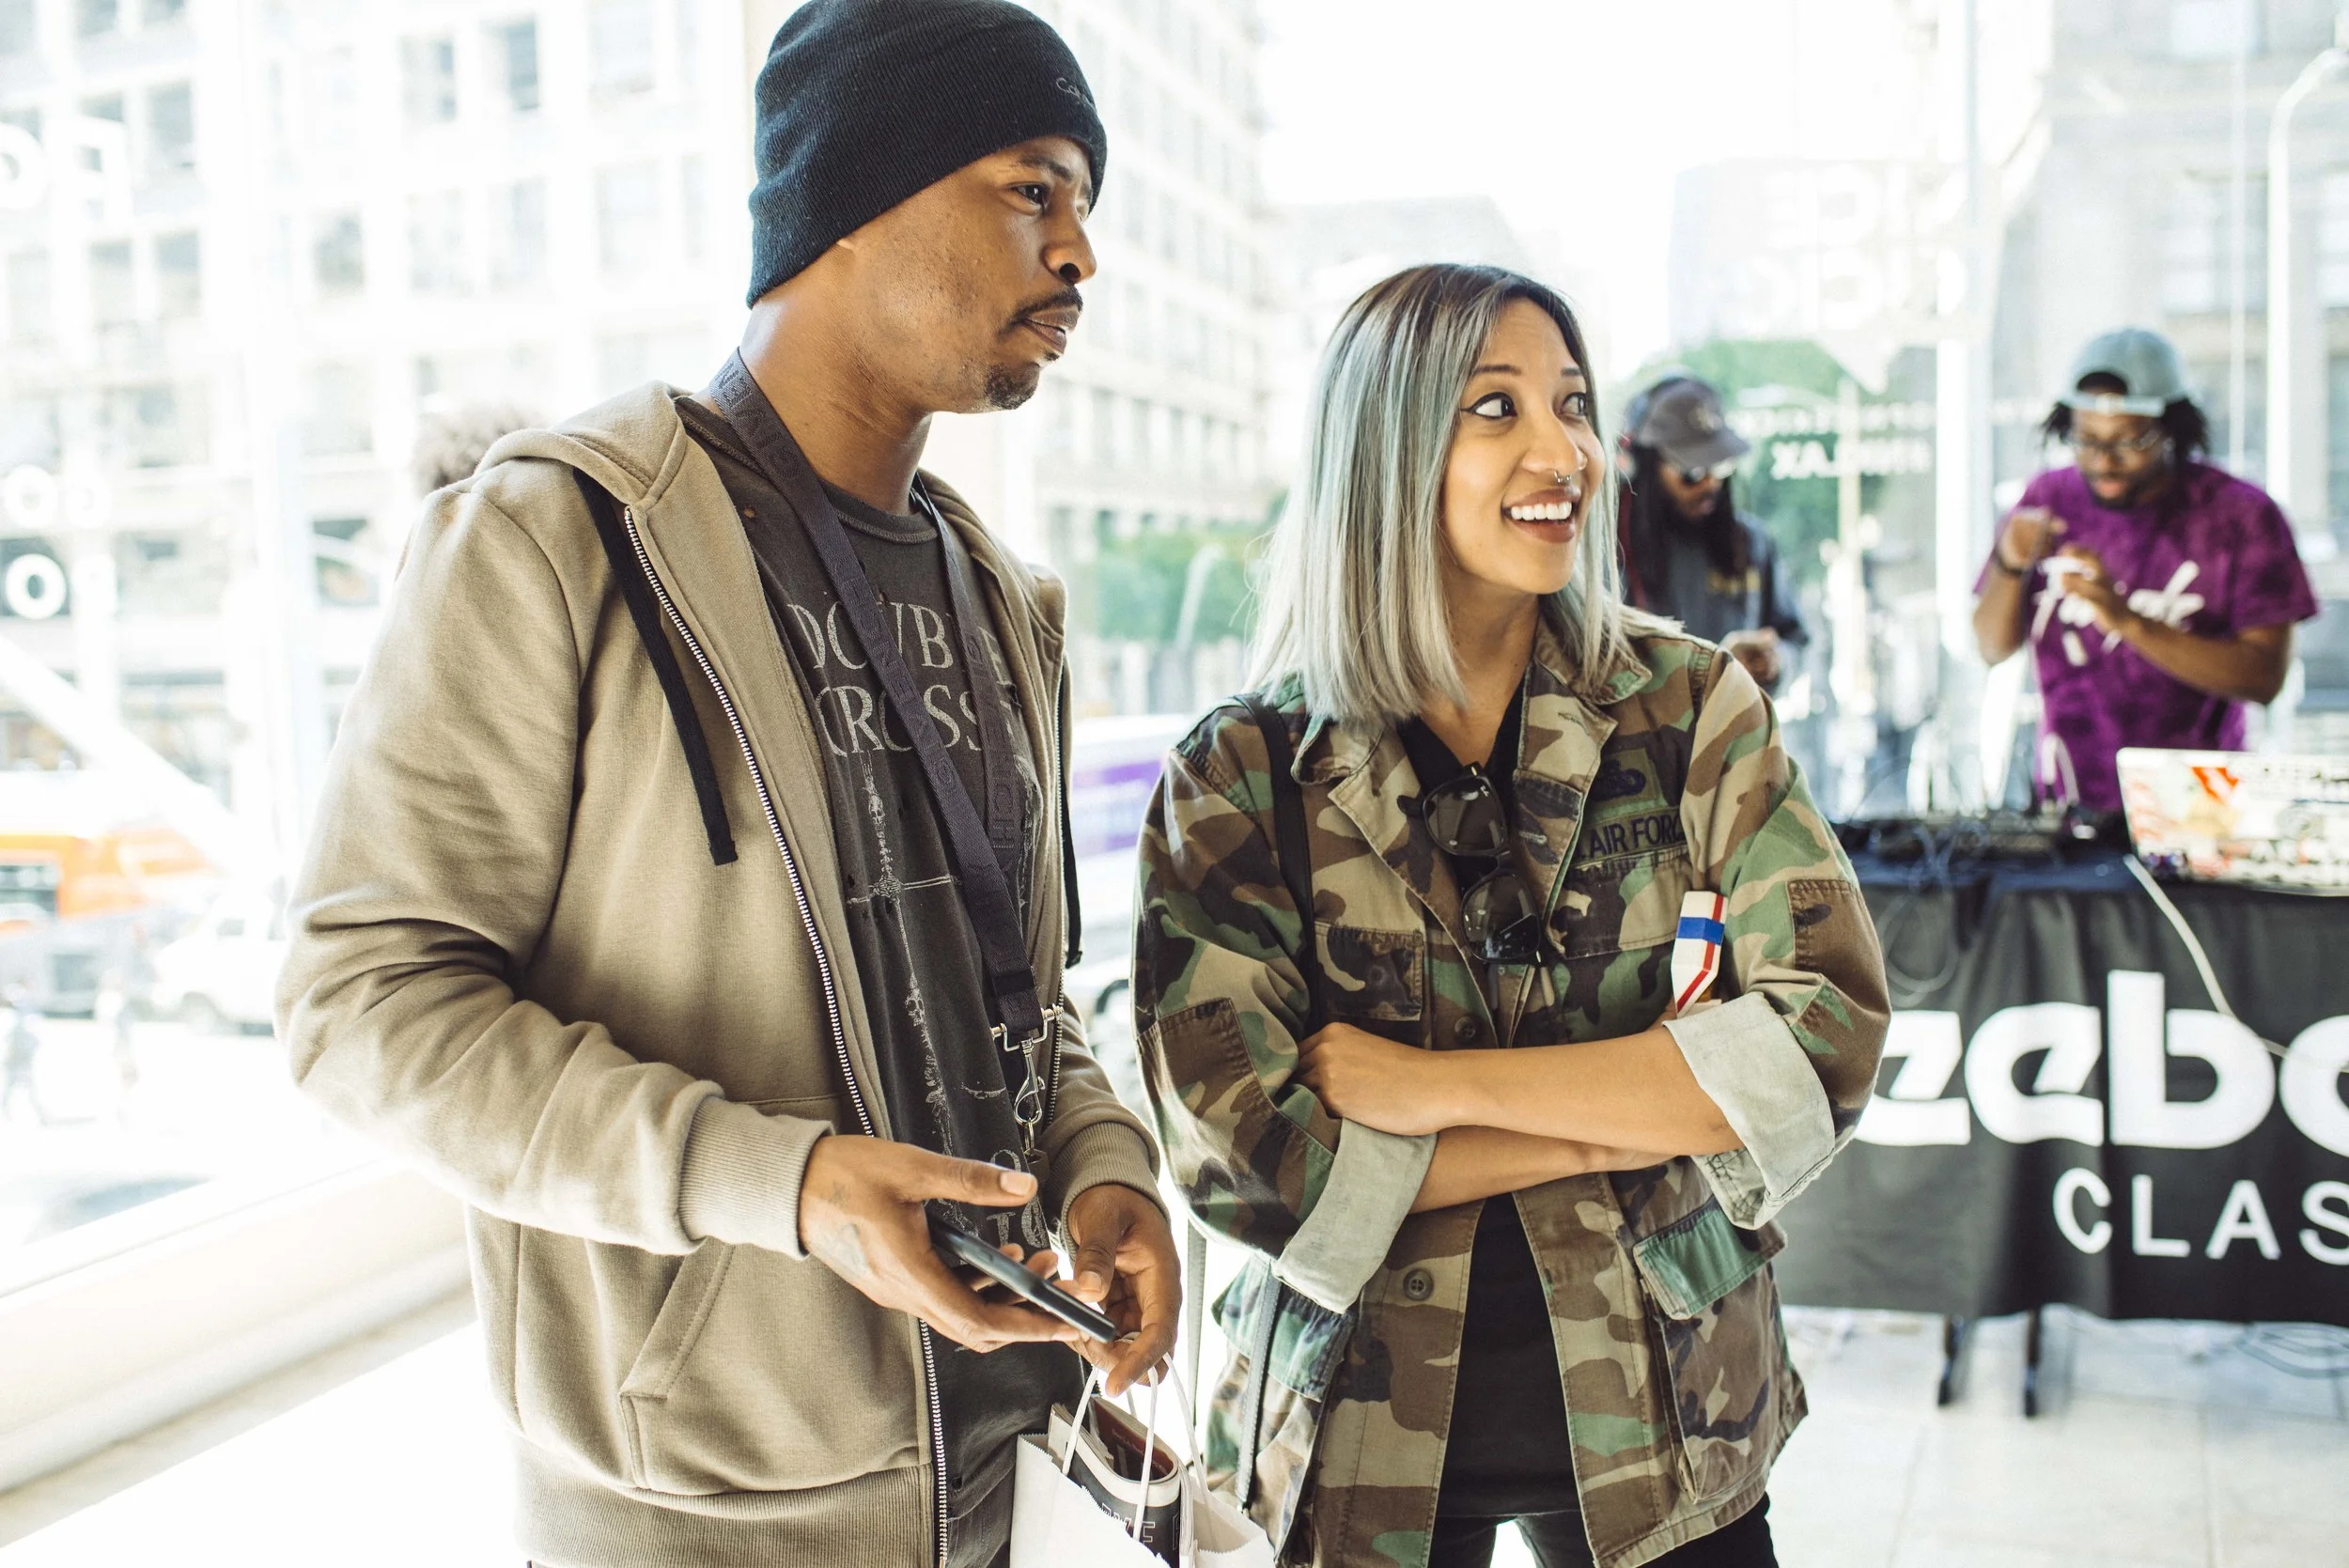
pixel 2160 1445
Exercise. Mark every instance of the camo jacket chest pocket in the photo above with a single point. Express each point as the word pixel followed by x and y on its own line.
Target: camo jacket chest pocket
pixel 1623 903
pixel 1372 975
pixel 1632 866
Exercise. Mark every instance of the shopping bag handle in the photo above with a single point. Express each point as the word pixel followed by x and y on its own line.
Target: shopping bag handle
pixel 1084 1402
pixel 1150 1419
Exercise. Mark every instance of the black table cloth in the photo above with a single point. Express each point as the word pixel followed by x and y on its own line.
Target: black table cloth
pixel 2063 1116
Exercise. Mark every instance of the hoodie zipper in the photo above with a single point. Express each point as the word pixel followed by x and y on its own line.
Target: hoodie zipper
pixel 823 971
pixel 1068 912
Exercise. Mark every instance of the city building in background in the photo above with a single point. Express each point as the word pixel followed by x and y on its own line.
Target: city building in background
pixel 248 245
pixel 1142 465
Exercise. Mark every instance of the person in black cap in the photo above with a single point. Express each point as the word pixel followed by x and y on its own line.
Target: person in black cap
pixel 1689 552
pixel 690 892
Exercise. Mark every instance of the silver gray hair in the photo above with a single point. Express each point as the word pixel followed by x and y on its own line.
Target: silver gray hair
pixel 1352 586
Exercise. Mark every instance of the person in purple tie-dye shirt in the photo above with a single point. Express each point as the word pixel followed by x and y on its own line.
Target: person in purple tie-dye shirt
pixel 2158 592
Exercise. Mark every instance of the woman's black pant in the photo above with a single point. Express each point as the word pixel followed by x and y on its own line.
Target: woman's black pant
pixel 1506 1456
pixel 1465 1540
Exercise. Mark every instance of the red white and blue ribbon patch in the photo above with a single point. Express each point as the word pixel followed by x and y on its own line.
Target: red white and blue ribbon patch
pixel 1697 947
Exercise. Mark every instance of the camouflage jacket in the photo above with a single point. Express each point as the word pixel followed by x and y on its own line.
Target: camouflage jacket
pixel 1667 777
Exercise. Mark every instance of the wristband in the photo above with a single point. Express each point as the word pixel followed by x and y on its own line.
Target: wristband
pixel 1998 559
pixel 1697 944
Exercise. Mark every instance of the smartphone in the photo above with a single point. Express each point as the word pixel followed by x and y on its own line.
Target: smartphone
pixel 961 1250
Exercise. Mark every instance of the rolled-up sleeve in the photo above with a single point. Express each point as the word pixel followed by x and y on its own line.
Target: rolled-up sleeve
pixel 1745 1058
pixel 1790 1056
pixel 1373 1183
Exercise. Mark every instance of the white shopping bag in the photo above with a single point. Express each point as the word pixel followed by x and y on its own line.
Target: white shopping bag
pixel 1220 1535
pixel 1057 1522
pixel 1061 1520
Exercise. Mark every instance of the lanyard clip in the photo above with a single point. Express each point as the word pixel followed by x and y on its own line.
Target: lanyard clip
pixel 1027 1108
pixel 1027 1103
pixel 1023 1048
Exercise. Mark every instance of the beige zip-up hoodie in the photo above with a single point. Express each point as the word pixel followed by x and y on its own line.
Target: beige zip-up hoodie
pixel 515 960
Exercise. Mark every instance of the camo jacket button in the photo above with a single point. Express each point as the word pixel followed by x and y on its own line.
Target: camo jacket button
pixel 1468 1029
pixel 1418 1286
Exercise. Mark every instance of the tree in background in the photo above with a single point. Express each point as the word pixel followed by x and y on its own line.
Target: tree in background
pixel 1140 585
pixel 1181 595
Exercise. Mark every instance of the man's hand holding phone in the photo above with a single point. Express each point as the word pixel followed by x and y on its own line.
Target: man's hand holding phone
pixel 1034 1282
pixel 1126 1265
pixel 863 1211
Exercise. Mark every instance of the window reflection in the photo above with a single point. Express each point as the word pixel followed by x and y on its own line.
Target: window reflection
pixel 290 266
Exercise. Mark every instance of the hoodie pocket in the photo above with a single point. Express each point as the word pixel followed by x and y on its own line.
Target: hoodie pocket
pixel 730 1369
pixel 760 1373
pixel 676 1329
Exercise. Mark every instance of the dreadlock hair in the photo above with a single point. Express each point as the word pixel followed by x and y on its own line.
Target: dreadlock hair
pixel 1648 518
pixel 451 442
pixel 2182 420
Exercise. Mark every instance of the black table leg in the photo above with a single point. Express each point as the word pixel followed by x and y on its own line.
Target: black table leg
pixel 1954 1332
pixel 2030 1363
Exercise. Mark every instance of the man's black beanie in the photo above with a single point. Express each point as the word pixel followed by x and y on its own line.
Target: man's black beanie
pixel 863 102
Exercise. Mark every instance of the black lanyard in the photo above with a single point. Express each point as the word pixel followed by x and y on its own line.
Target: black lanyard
pixel 983 860
pixel 1005 812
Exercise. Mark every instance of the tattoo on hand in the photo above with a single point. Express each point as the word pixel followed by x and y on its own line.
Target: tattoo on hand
pixel 844 1249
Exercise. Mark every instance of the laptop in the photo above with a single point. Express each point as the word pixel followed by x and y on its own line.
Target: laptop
pixel 2233 816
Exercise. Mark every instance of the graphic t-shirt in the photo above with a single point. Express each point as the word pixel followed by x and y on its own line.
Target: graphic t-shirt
pixel 919 968
pixel 2216 558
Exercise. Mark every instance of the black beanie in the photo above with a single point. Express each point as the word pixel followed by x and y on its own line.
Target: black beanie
pixel 863 102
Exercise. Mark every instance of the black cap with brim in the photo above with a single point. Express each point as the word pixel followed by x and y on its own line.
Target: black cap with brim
pixel 1717 449
pixel 1684 420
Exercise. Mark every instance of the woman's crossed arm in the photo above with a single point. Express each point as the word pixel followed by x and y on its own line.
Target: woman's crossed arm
pixel 1512 1119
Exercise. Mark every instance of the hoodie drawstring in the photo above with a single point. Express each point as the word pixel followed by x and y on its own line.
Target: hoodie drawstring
pixel 637 594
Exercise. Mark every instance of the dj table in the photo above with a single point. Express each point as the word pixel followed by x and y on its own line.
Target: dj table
pixel 2064 1115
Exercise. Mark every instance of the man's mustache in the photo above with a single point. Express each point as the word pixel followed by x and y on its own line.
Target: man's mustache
pixel 1067 301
